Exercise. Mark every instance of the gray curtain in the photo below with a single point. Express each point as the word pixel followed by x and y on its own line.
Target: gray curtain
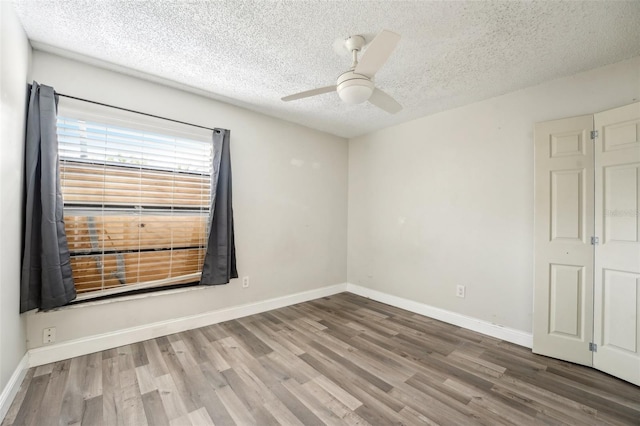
pixel 220 259
pixel 46 280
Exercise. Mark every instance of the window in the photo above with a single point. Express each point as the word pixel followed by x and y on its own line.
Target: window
pixel 137 197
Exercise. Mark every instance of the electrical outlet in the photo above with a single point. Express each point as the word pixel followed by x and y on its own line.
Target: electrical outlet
pixel 460 290
pixel 245 282
pixel 49 335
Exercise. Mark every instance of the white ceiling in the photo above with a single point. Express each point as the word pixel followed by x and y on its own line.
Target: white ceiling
pixel 251 53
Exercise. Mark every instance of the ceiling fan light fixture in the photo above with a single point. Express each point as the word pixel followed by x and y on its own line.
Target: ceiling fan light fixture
pixel 356 85
pixel 353 88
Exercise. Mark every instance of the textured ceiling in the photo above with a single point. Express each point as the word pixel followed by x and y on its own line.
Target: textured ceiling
pixel 253 53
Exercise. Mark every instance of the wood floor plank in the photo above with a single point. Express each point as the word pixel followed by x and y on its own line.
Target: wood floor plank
pixel 370 328
pixel 545 409
pixel 415 418
pixel 254 345
pixel 139 354
pixel 337 392
pixel 112 401
pixel 216 358
pixel 360 388
pixel 237 410
pixel 156 364
pixel 451 370
pixel 92 383
pixel 305 415
pixel 353 367
pixel 384 349
pixel 110 353
pixel 478 364
pixel 133 413
pixel 621 394
pixel 251 400
pixel 51 404
pixel 19 398
pixel 212 375
pixel 571 390
pixel 92 411
pixel 126 367
pixel 178 374
pixel 28 413
pixel 145 379
pixel 551 399
pixel 431 408
pixel 283 369
pixel 214 332
pixel 318 409
pixel 183 421
pixel 197 345
pixel 288 345
pixel 338 360
pixel 282 414
pixel 201 417
pixel 341 411
pixel 43 369
pixel 201 391
pixel 390 360
pixel 378 414
pixel 457 401
pixel 173 405
pixel 154 409
pixel 73 402
pixel 436 388
pixel 483 399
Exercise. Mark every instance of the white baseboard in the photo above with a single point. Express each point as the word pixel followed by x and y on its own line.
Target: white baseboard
pixel 518 337
pixel 100 342
pixel 13 386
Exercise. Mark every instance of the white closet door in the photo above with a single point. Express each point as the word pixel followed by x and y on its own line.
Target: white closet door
pixel 617 223
pixel 563 297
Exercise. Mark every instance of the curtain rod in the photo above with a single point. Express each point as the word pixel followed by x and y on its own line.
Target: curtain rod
pixel 134 111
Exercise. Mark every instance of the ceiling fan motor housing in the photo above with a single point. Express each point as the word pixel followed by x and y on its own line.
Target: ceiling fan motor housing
pixel 354 88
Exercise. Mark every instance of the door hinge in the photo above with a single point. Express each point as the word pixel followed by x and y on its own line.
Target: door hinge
pixel 593 347
pixel 595 240
pixel 594 134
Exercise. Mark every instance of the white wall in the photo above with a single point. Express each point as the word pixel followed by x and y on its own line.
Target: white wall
pixel 448 199
pixel 15 55
pixel 290 199
pixel 443 200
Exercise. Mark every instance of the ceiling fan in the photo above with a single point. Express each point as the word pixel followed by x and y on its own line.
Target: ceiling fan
pixel 356 85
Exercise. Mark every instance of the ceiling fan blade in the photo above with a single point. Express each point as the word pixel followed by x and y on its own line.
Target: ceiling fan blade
pixel 309 93
pixel 377 53
pixel 384 101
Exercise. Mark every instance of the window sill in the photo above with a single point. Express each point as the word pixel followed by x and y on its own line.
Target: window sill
pixel 127 298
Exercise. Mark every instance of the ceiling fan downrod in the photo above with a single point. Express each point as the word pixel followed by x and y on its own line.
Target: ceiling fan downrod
pixel 354 44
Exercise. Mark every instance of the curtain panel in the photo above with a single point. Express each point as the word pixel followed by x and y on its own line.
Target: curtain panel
pixel 46 280
pixel 220 259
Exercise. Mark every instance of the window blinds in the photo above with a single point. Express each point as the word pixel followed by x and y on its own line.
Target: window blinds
pixel 137 198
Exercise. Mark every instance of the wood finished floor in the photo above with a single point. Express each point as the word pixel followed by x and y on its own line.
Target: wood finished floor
pixel 338 360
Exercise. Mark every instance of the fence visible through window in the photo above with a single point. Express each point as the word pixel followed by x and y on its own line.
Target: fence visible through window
pixel 137 201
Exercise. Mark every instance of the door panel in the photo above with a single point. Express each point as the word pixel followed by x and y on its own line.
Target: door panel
pixel 617 258
pixel 563 299
pixel 621 185
pixel 567 211
pixel 566 289
pixel 620 310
